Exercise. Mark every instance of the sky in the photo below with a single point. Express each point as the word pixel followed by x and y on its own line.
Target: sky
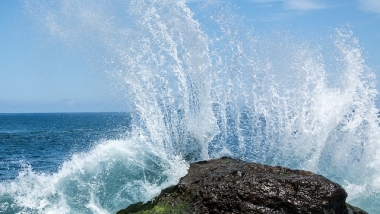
pixel 40 74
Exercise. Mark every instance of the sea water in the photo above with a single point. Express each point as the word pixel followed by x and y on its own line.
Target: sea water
pixel 201 84
pixel 67 163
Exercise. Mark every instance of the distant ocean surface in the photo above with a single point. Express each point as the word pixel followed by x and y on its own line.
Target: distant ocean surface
pixel 44 141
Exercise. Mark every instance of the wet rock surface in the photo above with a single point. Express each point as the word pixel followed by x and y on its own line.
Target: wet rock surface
pixel 233 186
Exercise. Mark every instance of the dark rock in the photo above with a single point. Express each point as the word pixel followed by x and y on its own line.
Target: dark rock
pixel 355 210
pixel 232 186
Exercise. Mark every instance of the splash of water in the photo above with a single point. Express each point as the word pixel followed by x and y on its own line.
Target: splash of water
pixel 205 93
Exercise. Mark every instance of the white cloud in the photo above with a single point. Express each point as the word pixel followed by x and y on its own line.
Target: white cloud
pixel 265 1
pixel 304 5
pixel 370 5
pixel 296 4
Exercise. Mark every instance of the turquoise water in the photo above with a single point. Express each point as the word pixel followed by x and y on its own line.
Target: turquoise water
pixel 196 92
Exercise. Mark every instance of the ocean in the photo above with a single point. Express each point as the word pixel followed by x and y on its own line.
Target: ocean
pixel 77 162
pixel 45 140
pixel 195 93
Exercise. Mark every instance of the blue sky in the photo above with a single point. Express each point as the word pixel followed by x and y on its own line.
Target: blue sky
pixel 41 74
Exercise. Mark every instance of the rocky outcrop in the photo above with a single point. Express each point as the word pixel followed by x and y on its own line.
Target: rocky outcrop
pixel 355 210
pixel 232 186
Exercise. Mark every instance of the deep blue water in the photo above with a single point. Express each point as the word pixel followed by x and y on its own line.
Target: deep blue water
pixel 44 140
